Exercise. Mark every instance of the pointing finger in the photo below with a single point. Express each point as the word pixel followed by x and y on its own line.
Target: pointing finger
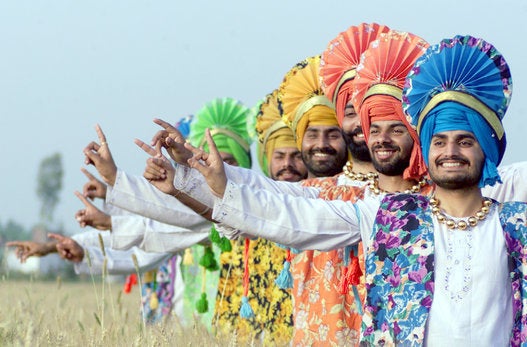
pixel 102 137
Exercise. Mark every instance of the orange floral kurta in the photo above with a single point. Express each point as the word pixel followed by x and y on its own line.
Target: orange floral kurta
pixel 323 316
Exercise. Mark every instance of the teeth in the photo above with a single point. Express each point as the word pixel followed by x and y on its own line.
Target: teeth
pixel 456 164
pixel 360 136
pixel 384 153
pixel 320 155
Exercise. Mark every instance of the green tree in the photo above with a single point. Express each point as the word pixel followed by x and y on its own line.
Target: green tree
pixel 49 185
pixel 13 231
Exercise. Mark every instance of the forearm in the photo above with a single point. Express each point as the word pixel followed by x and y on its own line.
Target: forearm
pixel 154 236
pixel 191 182
pixel 118 262
pixel 137 195
pixel 292 221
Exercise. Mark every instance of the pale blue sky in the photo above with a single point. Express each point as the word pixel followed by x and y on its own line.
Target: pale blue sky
pixel 67 65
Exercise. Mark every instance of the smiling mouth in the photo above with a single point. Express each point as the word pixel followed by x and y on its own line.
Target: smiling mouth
pixel 452 165
pixel 384 154
pixel 321 155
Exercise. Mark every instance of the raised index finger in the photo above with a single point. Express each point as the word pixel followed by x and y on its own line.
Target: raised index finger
pixel 83 199
pixel 167 126
pixel 15 243
pixel 88 174
pixel 148 149
pixel 102 137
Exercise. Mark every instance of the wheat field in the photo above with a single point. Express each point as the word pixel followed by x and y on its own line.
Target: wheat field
pixel 37 313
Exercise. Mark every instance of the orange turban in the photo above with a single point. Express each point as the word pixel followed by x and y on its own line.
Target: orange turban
pixel 379 84
pixel 340 59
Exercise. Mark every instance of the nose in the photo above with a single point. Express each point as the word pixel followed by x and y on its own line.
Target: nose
pixel 383 136
pixel 288 161
pixel 451 149
pixel 322 141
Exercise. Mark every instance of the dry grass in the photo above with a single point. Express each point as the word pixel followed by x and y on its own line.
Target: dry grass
pixel 36 313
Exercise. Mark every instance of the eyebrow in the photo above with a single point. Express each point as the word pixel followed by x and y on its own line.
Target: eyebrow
pixel 399 124
pixel 458 137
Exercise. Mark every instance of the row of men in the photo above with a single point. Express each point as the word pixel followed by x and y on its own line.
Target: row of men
pixel 417 247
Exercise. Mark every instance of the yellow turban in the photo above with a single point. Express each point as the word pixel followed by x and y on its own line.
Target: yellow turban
pixel 272 131
pixel 303 100
pixel 317 115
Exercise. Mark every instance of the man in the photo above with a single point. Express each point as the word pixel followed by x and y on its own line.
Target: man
pixel 278 155
pixel 311 117
pixel 443 270
pixel 337 71
pixel 281 160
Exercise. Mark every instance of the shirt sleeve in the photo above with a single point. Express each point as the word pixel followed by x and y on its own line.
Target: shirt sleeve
pixel 297 222
pixel 119 262
pixel 192 183
pixel 513 188
pixel 153 236
pixel 137 195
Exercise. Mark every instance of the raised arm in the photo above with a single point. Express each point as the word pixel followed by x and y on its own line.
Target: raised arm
pixel 293 221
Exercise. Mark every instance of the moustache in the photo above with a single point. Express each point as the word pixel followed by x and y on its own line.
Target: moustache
pixel 290 170
pixel 357 131
pixel 325 150
pixel 384 146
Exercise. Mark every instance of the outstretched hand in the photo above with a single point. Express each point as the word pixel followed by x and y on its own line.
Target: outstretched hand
pixel 159 170
pixel 210 165
pixel 26 249
pixel 67 248
pixel 173 141
pixel 99 155
pixel 94 188
pixel 92 216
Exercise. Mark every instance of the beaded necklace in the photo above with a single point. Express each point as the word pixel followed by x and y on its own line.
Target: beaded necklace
pixel 464 223
pixel 373 184
pixel 356 176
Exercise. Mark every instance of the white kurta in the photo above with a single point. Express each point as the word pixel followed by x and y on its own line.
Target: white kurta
pixel 135 194
pixel 473 298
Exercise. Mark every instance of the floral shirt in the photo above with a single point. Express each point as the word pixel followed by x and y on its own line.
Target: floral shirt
pixel 326 314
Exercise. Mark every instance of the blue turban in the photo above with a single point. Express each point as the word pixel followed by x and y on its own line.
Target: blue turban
pixel 449 116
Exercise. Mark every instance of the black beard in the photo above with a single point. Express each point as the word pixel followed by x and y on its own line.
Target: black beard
pixel 456 183
pixel 390 168
pixel 359 151
pixel 463 181
pixel 325 170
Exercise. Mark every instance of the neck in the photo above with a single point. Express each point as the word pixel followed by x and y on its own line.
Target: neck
pixel 363 167
pixel 460 202
pixel 392 184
